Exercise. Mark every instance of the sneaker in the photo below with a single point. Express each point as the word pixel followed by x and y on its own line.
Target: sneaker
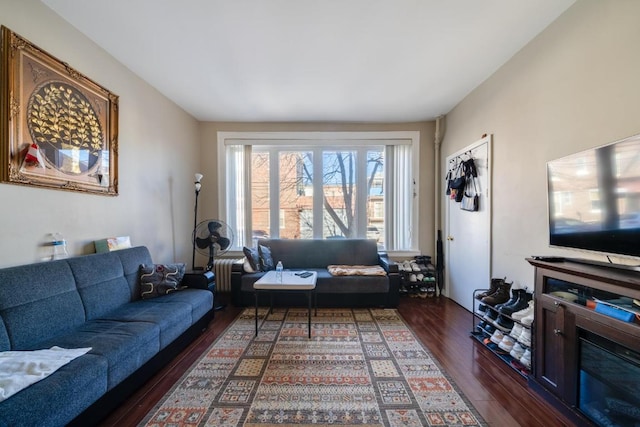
pixel 517 351
pixel 481 309
pixel 507 343
pixel 412 278
pixel 525 338
pixel 527 320
pixel 516 331
pixel 526 358
pixel 518 315
pixel 497 336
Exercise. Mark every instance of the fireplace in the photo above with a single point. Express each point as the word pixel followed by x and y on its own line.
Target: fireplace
pixel 608 381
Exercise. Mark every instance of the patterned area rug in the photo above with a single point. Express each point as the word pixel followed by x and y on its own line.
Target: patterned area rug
pixel 360 367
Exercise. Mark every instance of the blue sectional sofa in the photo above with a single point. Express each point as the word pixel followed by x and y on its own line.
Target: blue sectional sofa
pixel 331 291
pixel 91 301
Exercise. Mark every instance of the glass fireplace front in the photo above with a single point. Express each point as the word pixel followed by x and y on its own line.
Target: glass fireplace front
pixel 609 382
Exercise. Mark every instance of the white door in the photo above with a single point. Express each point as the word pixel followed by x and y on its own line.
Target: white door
pixel 468 234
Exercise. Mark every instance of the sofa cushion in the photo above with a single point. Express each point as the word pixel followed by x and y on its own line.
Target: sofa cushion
pixel 131 260
pixel 200 301
pixel 173 318
pixel 318 253
pixel 327 283
pixel 61 397
pixel 160 279
pixel 37 302
pixel 101 282
pixel 266 259
pixel 125 345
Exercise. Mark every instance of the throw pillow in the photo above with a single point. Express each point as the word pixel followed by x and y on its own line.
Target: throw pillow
pixel 246 266
pixel 253 257
pixel 266 260
pixel 160 279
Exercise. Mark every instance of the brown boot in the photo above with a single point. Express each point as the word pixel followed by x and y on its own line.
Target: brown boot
pixel 493 286
pixel 499 296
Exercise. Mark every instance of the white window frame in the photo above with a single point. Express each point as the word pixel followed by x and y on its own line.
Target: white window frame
pixel 410 139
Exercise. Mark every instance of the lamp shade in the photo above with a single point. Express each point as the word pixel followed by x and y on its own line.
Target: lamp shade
pixel 198 179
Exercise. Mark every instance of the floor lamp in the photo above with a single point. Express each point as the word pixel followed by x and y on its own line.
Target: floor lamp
pixel 198 186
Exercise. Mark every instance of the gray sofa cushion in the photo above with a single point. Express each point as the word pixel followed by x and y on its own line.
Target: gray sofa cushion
pixel 199 300
pixel 101 283
pixel 326 283
pixel 125 345
pixel 35 313
pixel 317 253
pixel 173 318
pixel 131 260
pixel 78 384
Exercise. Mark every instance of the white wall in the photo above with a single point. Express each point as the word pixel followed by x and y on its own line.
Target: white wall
pixel 158 155
pixel 575 86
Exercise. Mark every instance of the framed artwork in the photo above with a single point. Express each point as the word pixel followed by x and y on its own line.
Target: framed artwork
pixel 58 128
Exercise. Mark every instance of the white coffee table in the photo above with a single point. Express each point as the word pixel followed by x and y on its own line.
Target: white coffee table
pixel 290 283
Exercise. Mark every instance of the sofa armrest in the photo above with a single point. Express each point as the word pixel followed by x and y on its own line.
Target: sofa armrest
pixel 200 280
pixel 388 265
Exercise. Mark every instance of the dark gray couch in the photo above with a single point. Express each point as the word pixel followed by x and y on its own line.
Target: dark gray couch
pixel 91 301
pixel 331 291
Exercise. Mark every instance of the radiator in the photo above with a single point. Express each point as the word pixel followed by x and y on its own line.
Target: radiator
pixel 222 270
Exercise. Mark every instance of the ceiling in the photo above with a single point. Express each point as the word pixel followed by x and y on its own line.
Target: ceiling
pixel 312 60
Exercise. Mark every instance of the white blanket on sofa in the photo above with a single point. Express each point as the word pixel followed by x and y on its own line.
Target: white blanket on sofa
pixel 20 369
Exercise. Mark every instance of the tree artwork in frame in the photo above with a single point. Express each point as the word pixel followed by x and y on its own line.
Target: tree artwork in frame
pixel 58 128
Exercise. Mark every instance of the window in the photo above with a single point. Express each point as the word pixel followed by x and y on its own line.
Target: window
pixel 321 185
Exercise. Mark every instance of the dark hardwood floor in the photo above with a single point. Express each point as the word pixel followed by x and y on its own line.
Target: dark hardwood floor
pixel 500 394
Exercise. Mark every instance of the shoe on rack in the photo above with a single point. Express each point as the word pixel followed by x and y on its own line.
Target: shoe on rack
pixel 497 336
pixel 490 329
pixel 503 323
pixel 526 358
pixel 527 320
pixel 518 315
pixel 517 351
pixel 516 331
pixel 507 343
pixel 499 296
pixel 522 302
pixel 493 286
pixel 490 315
pixel 481 309
pixel 525 338
pixel 515 293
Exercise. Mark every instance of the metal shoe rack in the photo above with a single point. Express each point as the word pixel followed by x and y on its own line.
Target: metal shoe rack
pixel 427 287
pixel 483 336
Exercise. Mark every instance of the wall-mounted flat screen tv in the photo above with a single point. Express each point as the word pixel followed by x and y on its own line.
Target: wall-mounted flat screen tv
pixel 594 199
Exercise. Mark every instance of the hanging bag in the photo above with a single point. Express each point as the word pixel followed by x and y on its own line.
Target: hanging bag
pixel 458 183
pixel 468 202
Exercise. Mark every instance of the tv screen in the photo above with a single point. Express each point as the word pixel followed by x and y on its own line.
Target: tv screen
pixel 594 199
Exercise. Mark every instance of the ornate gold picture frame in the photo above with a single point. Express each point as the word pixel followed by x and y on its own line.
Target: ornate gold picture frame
pixel 58 128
